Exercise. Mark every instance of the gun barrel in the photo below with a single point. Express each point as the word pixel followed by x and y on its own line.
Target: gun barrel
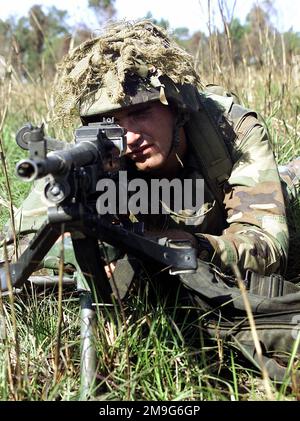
pixel 27 169
pixel 59 162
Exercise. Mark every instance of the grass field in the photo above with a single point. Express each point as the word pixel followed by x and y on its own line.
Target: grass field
pixel 147 352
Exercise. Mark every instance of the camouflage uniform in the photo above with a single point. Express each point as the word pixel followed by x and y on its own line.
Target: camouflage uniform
pixel 252 232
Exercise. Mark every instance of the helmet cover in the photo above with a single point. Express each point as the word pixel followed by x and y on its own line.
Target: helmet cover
pixel 130 64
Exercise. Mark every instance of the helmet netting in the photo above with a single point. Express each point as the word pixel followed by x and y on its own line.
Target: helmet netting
pixel 134 48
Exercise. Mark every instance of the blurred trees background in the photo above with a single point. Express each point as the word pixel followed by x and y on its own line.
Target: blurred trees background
pixel 34 44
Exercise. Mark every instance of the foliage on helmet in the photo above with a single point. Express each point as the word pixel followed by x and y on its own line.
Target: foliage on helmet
pixel 124 51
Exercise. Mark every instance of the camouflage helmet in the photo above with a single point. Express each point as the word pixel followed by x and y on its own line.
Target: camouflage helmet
pixel 130 64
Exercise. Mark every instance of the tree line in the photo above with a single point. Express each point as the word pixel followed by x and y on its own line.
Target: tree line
pixel 35 43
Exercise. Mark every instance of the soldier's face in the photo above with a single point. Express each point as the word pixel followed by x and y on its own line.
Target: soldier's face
pixel 149 135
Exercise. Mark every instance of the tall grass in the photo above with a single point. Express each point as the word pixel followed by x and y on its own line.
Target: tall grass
pixel 169 356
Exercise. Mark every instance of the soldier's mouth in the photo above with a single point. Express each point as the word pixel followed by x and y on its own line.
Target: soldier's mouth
pixel 140 152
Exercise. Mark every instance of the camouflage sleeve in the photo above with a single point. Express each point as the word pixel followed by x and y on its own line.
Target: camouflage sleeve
pixel 28 218
pixel 257 233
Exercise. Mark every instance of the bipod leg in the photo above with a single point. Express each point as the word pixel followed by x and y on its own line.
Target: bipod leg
pixel 88 360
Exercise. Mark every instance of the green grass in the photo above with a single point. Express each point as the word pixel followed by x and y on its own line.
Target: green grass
pixel 12 155
pixel 168 355
pixel 36 330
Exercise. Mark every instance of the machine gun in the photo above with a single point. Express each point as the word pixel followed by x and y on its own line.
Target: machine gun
pixel 72 172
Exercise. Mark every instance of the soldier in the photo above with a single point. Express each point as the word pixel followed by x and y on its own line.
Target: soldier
pixel 138 75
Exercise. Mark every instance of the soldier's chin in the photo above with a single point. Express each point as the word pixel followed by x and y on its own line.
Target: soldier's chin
pixel 155 168
pixel 142 166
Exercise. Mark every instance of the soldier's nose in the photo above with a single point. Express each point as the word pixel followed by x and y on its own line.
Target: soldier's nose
pixel 132 138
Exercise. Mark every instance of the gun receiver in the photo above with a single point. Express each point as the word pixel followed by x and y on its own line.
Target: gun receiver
pixel 98 148
pixel 93 143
